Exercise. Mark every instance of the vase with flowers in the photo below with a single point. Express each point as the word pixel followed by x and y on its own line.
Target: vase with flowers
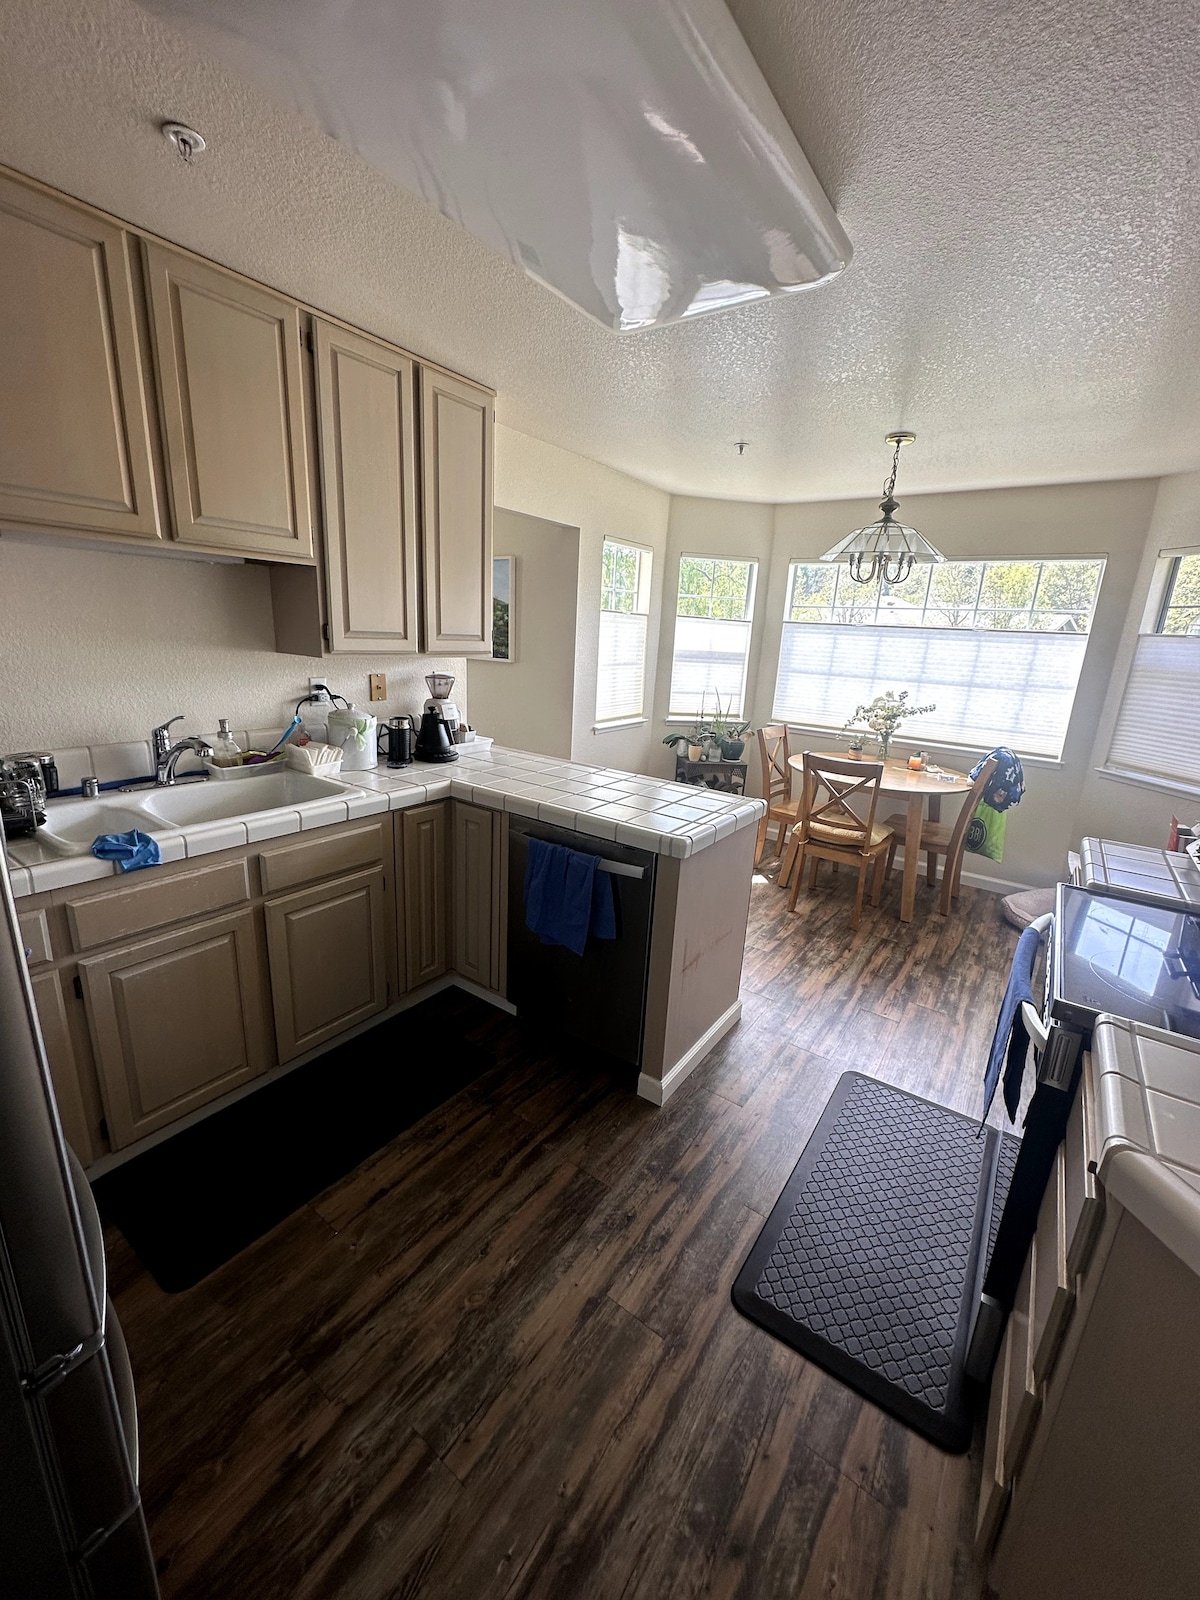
pixel 882 716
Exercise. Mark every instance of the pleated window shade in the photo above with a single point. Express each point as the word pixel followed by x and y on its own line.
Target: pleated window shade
pixel 989 687
pixel 621 670
pixel 1158 726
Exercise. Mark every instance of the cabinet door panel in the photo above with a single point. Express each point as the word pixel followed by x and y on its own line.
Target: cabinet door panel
pixel 74 432
pixel 456 443
pixel 64 1070
pixel 368 475
pixel 176 1022
pixel 424 834
pixel 233 402
pixel 473 893
pixel 327 950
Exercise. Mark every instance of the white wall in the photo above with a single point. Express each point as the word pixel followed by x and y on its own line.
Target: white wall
pixel 711 528
pixel 544 481
pixel 528 702
pixel 102 645
pixel 1113 808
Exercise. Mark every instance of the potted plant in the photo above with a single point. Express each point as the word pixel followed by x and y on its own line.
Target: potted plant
pixel 883 716
pixel 696 739
pixel 729 736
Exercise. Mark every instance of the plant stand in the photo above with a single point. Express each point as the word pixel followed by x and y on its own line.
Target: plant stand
pixel 728 776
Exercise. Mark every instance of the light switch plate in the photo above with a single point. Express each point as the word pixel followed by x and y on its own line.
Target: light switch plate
pixel 378 683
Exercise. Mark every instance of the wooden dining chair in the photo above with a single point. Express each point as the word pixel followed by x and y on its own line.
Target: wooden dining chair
pixel 777 787
pixel 948 839
pixel 830 829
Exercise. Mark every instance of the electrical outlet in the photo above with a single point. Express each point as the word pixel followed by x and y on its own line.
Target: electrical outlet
pixel 315 685
pixel 378 683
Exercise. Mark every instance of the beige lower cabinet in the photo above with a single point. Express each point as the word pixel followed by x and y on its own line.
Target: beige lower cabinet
pixel 176 1021
pixel 51 1005
pixel 327 947
pixel 424 859
pixel 473 892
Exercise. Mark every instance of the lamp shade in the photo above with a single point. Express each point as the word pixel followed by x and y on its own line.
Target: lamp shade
pixel 885 538
pixel 626 153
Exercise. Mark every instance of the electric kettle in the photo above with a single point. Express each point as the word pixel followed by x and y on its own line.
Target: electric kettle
pixel 435 741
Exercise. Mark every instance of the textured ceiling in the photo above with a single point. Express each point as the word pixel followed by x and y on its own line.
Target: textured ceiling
pixel 1021 183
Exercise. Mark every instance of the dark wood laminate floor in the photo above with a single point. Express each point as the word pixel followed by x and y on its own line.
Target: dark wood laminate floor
pixel 499 1361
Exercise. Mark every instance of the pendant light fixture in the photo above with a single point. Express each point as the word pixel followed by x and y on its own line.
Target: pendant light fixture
pixel 886 550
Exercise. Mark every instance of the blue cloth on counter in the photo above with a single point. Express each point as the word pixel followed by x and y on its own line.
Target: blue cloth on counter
pixel 566 898
pixel 129 850
pixel 1010 1043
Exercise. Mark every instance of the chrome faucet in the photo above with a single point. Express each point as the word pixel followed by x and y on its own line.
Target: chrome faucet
pixel 166 755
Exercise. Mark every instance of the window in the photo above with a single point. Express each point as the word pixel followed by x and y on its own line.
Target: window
pixel 996 646
pixel 624 619
pixel 712 636
pixel 1157 734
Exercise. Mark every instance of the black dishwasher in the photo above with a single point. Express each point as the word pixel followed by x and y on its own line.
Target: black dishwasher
pixel 600 996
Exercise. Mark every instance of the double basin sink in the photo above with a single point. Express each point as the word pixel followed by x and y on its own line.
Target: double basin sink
pixel 72 825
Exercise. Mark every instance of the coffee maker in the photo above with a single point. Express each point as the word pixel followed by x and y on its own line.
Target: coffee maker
pixel 439 720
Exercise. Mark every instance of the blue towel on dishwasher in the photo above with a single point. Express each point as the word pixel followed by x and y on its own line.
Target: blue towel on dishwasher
pixel 1010 1042
pixel 129 850
pixel 566 898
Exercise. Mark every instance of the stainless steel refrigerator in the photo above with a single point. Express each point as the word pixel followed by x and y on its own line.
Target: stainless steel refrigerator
pixel 71 1522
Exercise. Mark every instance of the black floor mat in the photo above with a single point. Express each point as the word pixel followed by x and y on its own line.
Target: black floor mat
pixel 191 1203
pixel 870 1260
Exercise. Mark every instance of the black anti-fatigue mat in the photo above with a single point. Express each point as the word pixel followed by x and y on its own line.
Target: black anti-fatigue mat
pixel 190 1204
pixel 870 1260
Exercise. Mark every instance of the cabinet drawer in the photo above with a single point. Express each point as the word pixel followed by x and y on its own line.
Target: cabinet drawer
pixel 1053 1287
pixel 129 912
pixel 344 851
pixel 1083 1198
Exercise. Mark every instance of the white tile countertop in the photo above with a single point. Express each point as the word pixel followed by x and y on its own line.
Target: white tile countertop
pixel 1148 1128
pixel 671 819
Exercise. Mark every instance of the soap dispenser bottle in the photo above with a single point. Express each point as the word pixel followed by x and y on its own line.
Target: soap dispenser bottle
pixel 226 750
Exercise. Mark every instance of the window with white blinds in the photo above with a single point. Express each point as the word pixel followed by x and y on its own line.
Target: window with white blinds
pixel 713 623
pixel 1158 727
pixel 996 647
pixel 624 623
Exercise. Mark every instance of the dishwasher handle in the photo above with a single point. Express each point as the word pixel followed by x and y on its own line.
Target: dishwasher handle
pixel 620 869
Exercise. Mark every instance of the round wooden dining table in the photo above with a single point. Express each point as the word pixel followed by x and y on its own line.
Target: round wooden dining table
pixel 915 789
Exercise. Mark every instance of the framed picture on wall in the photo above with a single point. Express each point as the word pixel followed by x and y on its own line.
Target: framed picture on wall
pixel 504 584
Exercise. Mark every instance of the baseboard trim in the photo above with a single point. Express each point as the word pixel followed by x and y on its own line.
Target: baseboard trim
pixel 659 1090
pixel 973 880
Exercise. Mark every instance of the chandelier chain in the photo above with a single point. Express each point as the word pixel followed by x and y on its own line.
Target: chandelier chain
pixel 890 485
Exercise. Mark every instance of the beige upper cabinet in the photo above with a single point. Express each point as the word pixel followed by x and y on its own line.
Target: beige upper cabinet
pixel 365 402
pixel 456 445
pixel 74 419
pixel 232 391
